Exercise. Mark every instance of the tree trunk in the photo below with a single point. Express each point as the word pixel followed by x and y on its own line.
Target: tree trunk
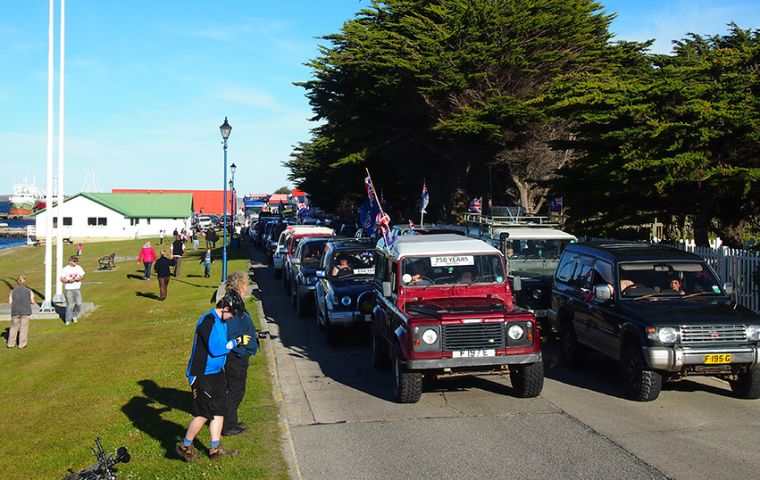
pixel 702 228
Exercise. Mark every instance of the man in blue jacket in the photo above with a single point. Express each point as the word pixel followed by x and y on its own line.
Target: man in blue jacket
pixel 206 376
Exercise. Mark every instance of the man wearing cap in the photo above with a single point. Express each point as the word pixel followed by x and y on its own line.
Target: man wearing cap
pixel 71 276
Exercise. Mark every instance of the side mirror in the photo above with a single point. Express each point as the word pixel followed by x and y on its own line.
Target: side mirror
pixel 729 288
pixel 320 274
pixel 602 292
pixel 386 289
pixel 282 250
pixel 516 283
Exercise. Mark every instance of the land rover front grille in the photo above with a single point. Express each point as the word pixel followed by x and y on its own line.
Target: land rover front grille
pixel 703 334
pixel 472 336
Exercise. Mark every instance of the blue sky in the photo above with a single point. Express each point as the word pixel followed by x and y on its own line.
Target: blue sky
pixel 148 83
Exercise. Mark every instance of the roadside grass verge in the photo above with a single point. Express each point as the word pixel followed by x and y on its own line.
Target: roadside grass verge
pixel 119 374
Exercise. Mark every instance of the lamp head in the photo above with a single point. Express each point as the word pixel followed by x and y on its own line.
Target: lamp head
pixel 233 167
pixel 225 128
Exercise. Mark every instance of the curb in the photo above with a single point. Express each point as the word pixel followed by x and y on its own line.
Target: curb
pixel 288 447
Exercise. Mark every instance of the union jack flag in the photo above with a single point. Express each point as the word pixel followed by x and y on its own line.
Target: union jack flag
pixel 370 189
pixel 425 198
pixel 475 205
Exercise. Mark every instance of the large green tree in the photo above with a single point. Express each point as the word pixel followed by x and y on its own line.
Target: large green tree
pixel 448 91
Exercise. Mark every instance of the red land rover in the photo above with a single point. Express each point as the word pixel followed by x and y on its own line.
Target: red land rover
pixel 444 307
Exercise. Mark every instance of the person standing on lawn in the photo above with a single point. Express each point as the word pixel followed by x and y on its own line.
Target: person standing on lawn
pixel 206 376
pixel 236 369
pixel 207 259
pixel 72 275
pixel 162 267
pixel 147 256
pixel 21 300
pixel 178 249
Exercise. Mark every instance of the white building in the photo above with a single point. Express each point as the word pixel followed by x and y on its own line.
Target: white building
pixel 119 215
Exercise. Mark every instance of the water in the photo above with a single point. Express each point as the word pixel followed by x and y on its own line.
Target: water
pixel 8 242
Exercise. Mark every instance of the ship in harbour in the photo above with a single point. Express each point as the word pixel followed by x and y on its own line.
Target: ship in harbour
pixel 25 199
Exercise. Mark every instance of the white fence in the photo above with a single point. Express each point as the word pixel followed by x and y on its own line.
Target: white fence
pixel 740 267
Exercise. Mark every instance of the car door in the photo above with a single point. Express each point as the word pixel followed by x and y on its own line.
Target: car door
pixel 605 320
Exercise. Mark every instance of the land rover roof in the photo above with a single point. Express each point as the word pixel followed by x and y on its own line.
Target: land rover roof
pixel 309 230
pixel 632 252
pixel 444 244
pixel 533 233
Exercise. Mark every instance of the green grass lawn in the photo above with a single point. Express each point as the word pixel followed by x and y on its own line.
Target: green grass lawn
pixel 120 374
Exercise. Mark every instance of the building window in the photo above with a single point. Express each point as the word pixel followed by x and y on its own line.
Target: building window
pixel 92 221
pixel 97 221
pixel 102 221
pixel 67 221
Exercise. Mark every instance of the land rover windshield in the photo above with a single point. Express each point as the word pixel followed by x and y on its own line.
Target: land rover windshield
pixel 452 270
pixel 533 257
pixel 353 263
pixel 667 279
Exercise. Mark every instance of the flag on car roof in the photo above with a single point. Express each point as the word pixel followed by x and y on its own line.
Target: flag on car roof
pixel 475 205
pixel 425 198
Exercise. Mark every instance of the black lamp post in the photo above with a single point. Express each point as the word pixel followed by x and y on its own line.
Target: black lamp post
pixel 225 128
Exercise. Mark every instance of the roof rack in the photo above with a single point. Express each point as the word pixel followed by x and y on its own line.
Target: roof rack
pixel 507 217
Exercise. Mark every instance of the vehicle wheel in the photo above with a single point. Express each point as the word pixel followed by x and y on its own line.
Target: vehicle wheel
pixel 407 386
pixel 284 278
pixel 300 307
pixel 527 380
pixel 572 354
pixel 320 319
pixel 380 359
pixel 293 292
pixel 641 384
pixel 747 384
pixel 277 273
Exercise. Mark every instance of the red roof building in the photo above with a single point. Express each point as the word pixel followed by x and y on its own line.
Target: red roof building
pixel 205 202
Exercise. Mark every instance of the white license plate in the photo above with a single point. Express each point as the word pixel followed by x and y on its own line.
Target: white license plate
pixel 367 317
pixel 473 353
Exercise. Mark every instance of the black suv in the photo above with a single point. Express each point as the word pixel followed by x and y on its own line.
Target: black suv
pixel 303 271
pixel 661 312
pixel 344 294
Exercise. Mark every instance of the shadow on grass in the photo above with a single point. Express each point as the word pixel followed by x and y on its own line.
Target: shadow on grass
pixel 145 413
pixel 5 334
pixel 135 277
pixel 150 295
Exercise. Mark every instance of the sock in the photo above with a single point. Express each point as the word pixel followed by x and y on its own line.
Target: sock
pixel 215 443
pixel 186 442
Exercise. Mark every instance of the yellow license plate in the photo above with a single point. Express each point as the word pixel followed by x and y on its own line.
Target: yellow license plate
pixel 714 358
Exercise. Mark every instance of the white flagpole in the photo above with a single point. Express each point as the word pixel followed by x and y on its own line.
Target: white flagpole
pixel 47 304
pixel 422 207
pixel 59 245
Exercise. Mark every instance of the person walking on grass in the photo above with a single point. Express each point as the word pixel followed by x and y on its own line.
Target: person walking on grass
pixel 71 276
pixel 194 237
pixel 147 256
pixel 207 258
pixel 178 249
pixel 163 266
pixel 206 376
pixel 236 368
pixel 21 300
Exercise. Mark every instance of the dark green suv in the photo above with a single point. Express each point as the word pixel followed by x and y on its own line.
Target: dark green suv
pixel 661 312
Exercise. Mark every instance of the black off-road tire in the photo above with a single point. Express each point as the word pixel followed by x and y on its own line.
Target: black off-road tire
pixel 527 380
pixel 333 335
pixel 300 307
pixel 318 316
pixel 641 383
pixel 380 357
pixel 407 386
pixel 277 273
pixel 747 384
pixel 571 353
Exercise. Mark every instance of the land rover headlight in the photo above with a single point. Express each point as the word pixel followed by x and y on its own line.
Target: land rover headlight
pixel 430 336
pixel 667 335
pixel 345 301
pixel 516 332
pixel 753 333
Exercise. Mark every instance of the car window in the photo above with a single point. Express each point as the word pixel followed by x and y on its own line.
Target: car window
pixel 353 262
pixel 311 253
pixel 667 279
pixel 566 268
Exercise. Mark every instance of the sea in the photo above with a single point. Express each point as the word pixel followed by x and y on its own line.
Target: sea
pixel 8 242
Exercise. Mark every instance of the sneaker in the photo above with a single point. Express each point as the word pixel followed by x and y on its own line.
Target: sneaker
pixel 220 451
pixel 188 453
pixel 67 323
pixel 74 319
pixel 234 430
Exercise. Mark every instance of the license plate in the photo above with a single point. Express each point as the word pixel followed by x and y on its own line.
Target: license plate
pixel 714 358
pixel 473 353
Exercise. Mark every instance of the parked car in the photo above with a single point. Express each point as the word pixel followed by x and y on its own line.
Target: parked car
pixel 284 246
pixel 301 232
pixel 344 295
pixel 303 271
pixel 444 307
pixel 204 222
pixel 661 312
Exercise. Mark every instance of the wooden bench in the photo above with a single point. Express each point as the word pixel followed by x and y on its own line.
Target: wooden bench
pixel 107 262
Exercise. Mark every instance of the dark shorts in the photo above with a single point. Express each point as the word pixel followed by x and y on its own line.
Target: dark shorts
pixel 209 396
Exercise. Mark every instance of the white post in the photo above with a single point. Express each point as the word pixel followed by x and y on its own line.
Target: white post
pixel 59 245
pixel 47 304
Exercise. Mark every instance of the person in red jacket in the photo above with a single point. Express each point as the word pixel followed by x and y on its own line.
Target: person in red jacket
pixel 147 256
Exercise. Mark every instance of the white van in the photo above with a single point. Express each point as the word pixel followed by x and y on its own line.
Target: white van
pixel 204 222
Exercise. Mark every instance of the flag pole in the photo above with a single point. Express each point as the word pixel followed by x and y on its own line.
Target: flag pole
pixel 422 209
pixel 374 192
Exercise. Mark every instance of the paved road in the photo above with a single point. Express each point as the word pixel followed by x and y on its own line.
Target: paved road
pixel 345 425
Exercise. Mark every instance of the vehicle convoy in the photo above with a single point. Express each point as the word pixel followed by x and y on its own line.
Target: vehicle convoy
pixel 344 294
pixel 660 312
pixel 532 246
pixel 444 307
pixel 286 248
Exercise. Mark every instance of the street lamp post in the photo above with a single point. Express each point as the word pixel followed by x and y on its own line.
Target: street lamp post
pixel 225 128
